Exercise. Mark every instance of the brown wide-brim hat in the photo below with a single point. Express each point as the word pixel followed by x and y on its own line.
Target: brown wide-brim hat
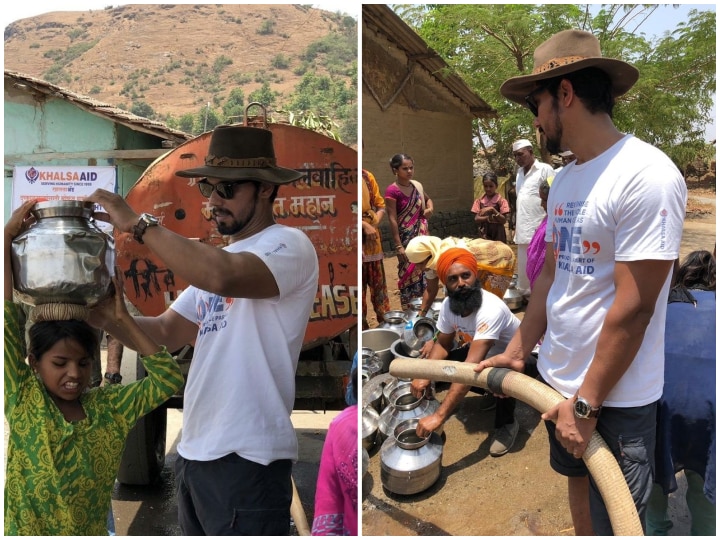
pixel 242 153
pixel 566 52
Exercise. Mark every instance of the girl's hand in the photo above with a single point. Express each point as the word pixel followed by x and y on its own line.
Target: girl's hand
pixel 427 213
pixel 20 220
pixel 112 309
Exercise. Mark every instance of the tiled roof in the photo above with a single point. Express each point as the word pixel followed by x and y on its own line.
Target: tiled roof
pixel 126 118
pixel 383 19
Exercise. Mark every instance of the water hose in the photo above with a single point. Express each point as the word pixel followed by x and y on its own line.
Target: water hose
pixel 297 513
pixel 598 458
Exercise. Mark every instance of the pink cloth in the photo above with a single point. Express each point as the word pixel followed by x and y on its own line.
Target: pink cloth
pixel 536 253
pixel 337 484
pixel 484 202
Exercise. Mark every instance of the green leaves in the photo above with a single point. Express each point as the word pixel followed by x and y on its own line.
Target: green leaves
pixel 488 43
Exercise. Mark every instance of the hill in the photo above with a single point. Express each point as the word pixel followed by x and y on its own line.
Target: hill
pixel 172 60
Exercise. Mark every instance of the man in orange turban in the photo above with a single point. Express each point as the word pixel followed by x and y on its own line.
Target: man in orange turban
pixel 481 324
pixel 451 256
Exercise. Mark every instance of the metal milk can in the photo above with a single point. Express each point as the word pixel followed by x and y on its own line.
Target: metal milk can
pixel 416 333
pixel 404 406
pixel 410 464
pixel 63 257
pixel 394 320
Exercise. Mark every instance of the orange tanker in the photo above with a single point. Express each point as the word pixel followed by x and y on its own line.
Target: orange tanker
pixel 323 204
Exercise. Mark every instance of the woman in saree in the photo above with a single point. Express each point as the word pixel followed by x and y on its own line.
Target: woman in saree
pixel 495 263
pixel 408 208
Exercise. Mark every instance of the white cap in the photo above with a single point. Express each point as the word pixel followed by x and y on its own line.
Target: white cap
pixel 566 153
pixel 521 143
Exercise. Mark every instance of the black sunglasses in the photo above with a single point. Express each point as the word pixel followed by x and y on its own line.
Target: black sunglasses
pixel 530 100
pixel 226 190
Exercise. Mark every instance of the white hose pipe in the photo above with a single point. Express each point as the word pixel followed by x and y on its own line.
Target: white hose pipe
pixel 598 458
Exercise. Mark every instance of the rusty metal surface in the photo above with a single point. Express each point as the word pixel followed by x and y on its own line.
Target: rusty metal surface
pixel 323 204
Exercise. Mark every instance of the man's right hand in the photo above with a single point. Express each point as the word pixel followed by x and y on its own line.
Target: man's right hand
pixel 426 348
pixel 502 360
pixel 117 210
pixel 428 424
pixel 418 387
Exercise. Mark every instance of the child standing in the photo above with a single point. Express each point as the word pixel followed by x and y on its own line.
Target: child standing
pixel 66 440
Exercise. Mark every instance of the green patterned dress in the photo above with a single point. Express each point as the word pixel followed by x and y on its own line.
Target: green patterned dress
pixel 60 475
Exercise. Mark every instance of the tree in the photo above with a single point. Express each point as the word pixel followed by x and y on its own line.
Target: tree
pixel 140 108
pixel 487 44
pixel 234 106
pixel 264 95
pixel 186 123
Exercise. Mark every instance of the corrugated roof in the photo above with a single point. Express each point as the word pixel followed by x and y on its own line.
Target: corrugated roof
pixel 128 119
pixel 383 19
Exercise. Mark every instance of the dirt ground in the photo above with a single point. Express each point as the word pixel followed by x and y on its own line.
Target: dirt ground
pixel 514 495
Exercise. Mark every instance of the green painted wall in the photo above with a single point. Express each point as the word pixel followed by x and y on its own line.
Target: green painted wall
pixel 59 126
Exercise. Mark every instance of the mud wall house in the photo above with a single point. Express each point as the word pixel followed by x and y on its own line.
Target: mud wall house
pixel 413 103
pixel 48 125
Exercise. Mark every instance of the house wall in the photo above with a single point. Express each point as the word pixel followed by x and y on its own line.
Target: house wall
pixel 57 126
pixel 424 120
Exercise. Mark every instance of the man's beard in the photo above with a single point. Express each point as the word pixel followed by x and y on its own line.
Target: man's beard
pixel 466 300
pixel 235 226
pixel 553 143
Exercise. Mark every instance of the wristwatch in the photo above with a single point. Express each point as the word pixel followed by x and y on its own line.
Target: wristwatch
pixel 113 378
pixel 146 220
pixel 583 409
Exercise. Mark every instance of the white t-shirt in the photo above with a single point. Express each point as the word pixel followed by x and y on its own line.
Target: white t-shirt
pixel 493 320
pixel 627 204
pixel 241 385
pixel 529 212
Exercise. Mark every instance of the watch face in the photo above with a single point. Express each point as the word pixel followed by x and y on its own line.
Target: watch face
pixel 150 219
pixel 582 409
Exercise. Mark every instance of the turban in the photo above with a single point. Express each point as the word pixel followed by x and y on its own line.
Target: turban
pixel 422 247
pixel 454 255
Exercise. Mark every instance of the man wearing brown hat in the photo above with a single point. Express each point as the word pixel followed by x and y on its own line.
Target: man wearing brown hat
pixel 615 220
pixel 246 313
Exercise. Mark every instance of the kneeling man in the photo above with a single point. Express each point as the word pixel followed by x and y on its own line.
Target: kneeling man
pixel 472 324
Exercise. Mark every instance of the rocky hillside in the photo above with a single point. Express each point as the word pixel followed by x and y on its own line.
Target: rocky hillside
pixel 177 58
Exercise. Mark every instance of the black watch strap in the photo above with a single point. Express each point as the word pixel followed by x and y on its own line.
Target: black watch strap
pixel 113 378
pixel 145 221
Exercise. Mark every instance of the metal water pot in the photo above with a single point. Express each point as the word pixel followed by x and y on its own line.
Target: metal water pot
pixel 395 320
pixel 370 421
pixel 371 364
pixel 410 464
pixel 413 308
pixel 63 257
pixel 379 340
pixel 417 332
pixel 404 406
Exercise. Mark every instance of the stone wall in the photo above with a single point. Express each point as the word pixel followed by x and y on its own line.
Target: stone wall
pixel 442 224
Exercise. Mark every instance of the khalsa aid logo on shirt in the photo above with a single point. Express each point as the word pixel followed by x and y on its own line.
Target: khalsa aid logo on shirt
pixel 463 338
pixel 212 313
pixel 573 253
pixel 482 327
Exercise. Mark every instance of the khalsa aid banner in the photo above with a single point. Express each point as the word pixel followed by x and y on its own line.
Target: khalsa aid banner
pixel 53 183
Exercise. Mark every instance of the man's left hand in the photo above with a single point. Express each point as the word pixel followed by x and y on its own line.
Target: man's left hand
pixel 573 433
